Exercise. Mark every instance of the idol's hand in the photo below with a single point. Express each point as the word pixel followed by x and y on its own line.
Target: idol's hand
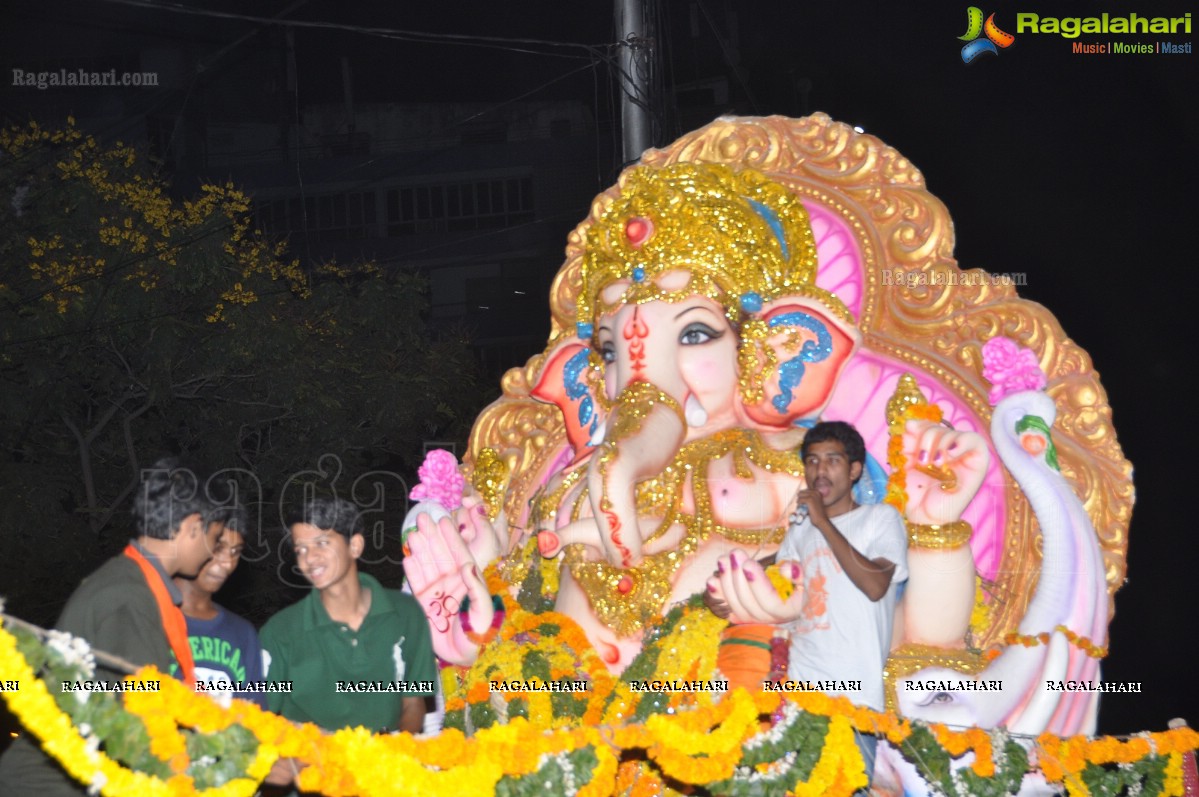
pixel 442 574
pixel 943 472
pixel 741 584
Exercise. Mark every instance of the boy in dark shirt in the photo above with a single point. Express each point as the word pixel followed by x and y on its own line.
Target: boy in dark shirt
pixel 224 645
pixel 129 606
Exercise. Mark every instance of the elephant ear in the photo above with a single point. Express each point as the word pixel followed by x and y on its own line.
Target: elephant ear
pixel 563 383
pixel 800 351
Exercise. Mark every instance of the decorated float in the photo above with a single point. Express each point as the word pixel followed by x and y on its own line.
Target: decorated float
pixel 732 289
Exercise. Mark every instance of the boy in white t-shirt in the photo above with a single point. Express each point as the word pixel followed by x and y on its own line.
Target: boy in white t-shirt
pixel 851 559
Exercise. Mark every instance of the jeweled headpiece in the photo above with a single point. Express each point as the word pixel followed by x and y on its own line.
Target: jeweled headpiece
pixel 745 239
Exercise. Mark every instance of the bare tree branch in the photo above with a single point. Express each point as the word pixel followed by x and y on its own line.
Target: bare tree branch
pixel 106 417
pixel 85 464
pixel 240 403
pixel 128 369
pixel 134 467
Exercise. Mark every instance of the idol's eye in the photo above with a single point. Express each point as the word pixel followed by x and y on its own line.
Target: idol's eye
pixel 607 351
pixel 697 333
pixel 938 697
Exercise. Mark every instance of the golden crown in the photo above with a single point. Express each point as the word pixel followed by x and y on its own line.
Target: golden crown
pixel 744 238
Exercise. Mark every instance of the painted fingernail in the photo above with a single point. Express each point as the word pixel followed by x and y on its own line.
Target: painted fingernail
pixel 794 572
pixel 733 559
pixel 720 567
pixel 923 456
pixel 711 588
pixel 407 551
pixel 481 509
pixel 749 576
pixel 461 527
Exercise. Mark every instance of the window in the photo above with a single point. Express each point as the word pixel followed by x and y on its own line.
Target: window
pixel 326 217
pixel 457 207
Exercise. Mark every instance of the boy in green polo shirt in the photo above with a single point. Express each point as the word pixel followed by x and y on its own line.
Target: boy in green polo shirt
pixel 356 654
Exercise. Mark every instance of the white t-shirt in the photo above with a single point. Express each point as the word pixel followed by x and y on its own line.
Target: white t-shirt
pixel 843 636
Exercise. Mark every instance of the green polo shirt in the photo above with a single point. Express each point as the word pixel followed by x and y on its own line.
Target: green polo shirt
pixel 344 678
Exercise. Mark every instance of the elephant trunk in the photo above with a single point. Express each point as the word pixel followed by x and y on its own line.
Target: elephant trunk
pixel 643 432
pixel 1072 589
pixel 1071 593
pixel 1071 577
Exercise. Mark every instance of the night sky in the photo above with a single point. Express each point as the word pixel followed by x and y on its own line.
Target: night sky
pixel 1078 170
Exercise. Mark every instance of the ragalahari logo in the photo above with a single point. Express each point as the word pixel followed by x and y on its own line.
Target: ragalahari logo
pixel 975 27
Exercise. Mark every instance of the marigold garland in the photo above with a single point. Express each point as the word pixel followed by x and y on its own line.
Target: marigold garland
pixel 699 746
pixel 523 643
pixel 35 708
pixel 1032 640
pixel 166 741
pixel 634 779
pixel 897 495
pixel 1174 785
pixel 982 614
pixel 840 769
pixel 1064 760
pixel 782 585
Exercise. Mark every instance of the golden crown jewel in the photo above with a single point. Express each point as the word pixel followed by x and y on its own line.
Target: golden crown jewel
pixel 744 238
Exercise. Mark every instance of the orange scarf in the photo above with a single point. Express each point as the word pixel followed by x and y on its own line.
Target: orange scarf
pixel 173 621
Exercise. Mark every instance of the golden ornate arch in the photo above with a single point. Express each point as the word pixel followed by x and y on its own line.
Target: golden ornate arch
pixel 938 328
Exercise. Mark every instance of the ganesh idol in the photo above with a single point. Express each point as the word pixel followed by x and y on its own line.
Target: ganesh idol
pixel 697 333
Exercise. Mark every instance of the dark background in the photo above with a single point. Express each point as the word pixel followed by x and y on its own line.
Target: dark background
pixel 1077 170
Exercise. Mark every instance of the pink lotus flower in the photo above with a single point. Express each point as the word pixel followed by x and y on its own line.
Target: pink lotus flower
pixel 1010 368
pixel 440 480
